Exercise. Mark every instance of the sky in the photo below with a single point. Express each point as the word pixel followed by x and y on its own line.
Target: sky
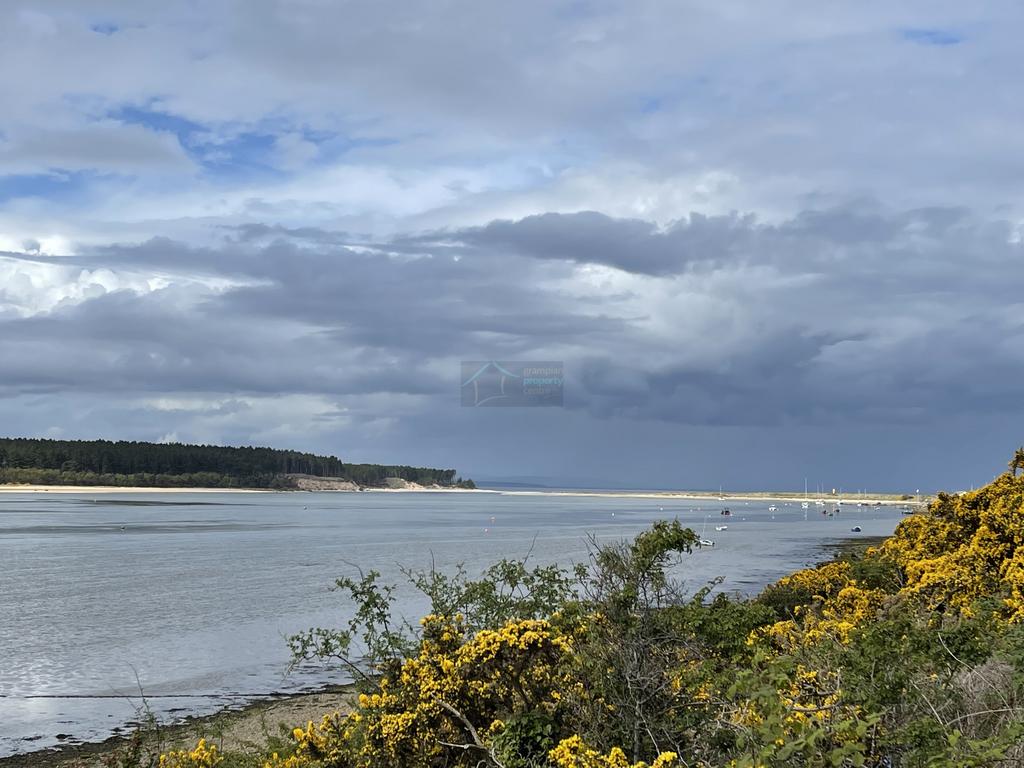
pixel 769 242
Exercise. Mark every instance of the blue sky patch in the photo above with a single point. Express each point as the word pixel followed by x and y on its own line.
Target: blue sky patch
pixel 939 37
pixel 55 187
pixel 651 105
pixel 219 152
pixel 226 150
pixel 158 121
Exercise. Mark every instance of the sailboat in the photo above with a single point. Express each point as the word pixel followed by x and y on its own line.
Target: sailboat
pixel 805 504
pixel 820 501
pixel 702 541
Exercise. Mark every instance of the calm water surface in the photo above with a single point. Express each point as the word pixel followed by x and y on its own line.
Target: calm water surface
pixel 189 597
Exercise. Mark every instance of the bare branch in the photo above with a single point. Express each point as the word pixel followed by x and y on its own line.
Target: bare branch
pixel 477 743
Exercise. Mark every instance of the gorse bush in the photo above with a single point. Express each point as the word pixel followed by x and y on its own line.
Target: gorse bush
pixel 906 654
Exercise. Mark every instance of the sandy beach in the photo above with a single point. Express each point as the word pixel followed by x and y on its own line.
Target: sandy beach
pixel 783 496
pixel 87 489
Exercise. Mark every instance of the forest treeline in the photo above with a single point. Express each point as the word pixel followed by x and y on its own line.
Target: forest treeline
pixel 124 463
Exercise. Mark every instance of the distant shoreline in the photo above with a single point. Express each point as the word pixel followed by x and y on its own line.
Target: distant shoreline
pixel 786 497
pixel 105 489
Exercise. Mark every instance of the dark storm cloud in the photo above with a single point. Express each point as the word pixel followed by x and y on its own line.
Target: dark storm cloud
pixel 926 243
pixel 767 386
pixel 848 313
pixel 431 303
pixel 171 341
pixel 629 244
pixel 249 233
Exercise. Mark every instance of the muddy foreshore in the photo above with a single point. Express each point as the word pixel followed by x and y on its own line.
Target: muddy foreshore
pixel 238 729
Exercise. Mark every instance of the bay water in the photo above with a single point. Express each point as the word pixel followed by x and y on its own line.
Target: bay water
pixel 181 602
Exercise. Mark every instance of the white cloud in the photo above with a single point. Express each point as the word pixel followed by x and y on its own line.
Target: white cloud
pixel 104 147
pixel 187 121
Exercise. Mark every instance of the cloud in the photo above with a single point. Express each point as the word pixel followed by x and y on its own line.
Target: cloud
pixel 735 223
pixel 297 117
pixel 833 316
pixel 102 147
pixel 632 245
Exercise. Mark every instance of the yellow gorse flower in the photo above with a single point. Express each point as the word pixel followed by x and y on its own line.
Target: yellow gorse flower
pixel 203 756
pixel 573 752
